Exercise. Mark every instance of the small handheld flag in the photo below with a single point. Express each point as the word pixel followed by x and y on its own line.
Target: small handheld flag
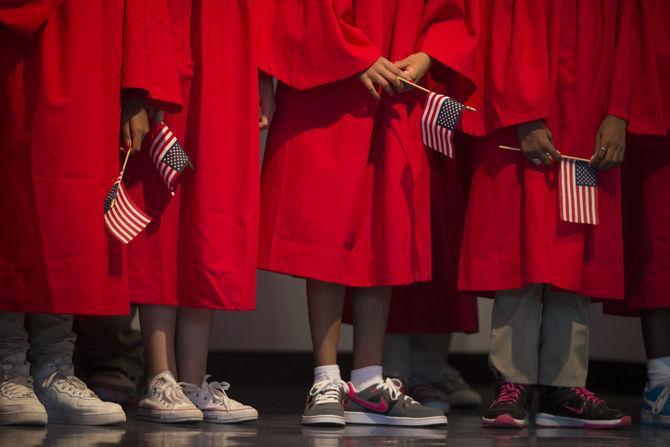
pixel 440 118
pixel 122 217
pixel 167 154
pixel 578 190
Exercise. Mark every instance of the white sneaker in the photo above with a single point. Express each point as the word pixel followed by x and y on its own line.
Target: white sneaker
pixel 166 402
pixel 18 403
pixel 69 401
pixel 216 406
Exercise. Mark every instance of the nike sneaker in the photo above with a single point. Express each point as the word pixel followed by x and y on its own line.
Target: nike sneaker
pixel 656 406
pixel 324 403
pixel 384 404
pixel 577 407
pixel 510 407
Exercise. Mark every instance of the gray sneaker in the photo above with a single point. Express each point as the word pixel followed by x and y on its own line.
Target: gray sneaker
pixel 69 401
pixel 166 402
pixel 18 403
pixel 324 403
pixel 458 392
pixel 385 404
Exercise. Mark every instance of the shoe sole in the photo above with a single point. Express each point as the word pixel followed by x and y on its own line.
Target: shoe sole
pixel 325 420
pixel 657 420
pixel 170 417
pixel 88 418
pixel 24 418
pixel 550 420
pixel 358 417
pixel 504 421
pixel 223 417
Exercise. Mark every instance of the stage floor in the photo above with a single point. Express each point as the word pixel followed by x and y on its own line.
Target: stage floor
pixel 279 426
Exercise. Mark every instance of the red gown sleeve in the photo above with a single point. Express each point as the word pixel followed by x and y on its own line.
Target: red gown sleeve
pixel 511 65
pixel 149 59
pixel 626 59
pixel 306 43
pixel 26 16
pixel 449 35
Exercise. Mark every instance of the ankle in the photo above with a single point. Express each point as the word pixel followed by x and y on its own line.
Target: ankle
pixel 363 378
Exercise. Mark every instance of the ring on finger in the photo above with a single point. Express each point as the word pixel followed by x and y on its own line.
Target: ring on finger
pixel 603 149
pixel 536 161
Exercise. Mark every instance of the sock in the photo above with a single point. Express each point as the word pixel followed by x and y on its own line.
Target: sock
pixel 362 378
pixel 658 371
pixel 326 372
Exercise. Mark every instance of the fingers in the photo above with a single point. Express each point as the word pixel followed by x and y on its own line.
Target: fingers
pixel 552 152
pixel 367 82
pixel 599 152
pixel 264 122
pixel 384 83
pixel 127 140
pixel 139 128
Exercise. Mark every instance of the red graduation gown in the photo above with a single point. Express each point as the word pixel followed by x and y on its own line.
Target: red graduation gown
pixel 200 250
pixel 345 183
pixel 646 172
pixel 569 63
pixel 437 306
pixel 63 64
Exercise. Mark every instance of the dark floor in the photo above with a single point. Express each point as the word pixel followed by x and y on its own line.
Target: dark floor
pixel 279 426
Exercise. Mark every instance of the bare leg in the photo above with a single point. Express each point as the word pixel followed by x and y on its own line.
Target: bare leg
pixel 370 309
pixel 656 332
pixel 325 302
pixel 193 330
pixel 157 324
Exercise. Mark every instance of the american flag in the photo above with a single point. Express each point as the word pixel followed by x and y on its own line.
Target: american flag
pixel 578 192
pixel 440 117
pixel 167 154
pixel 122 217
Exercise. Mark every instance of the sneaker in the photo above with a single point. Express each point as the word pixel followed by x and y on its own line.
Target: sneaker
pixel 113 385
pixel 656 406
pixel 577 408
pixel 324 403
pixel 68 400
pixel 216 406
pixel 428 396
pixel 458 392
pixel 510 407
pixel 18 403
pixel 165 402
pixel 384 404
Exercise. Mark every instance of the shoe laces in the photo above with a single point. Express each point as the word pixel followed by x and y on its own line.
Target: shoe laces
pixel 69 384
pixel 509 393
pixel 16 386
pixel 394 388
pixel 587 395
pixel 661 400
pixel 214 391
pixel 328 391
pixel 168 392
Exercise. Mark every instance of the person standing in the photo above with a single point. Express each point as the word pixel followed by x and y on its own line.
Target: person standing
pixel 556 80
pixel 70 84
pixel 345 184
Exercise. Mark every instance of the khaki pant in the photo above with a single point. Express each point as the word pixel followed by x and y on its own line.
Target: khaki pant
pixel 49 347
pixel 540 336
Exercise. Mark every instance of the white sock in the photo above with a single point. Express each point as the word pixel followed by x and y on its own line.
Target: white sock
pixel 326 372
pixel 658 371
pixel 362 378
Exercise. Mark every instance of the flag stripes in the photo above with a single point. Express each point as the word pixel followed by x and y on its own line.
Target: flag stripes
pixel 578 192
pixel 122 217
pixel 440 117
pixel 167 154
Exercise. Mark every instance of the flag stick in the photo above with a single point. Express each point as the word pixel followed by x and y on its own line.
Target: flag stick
pixel 510 148
pixel 423 89
pixel 125 162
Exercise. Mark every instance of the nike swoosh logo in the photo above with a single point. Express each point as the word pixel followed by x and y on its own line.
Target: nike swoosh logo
pixel 379 407
pixel 574 410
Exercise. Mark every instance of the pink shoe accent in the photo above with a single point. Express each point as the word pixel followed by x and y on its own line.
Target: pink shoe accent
pixel 624 422
pixel 380 407
pixel 503 421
